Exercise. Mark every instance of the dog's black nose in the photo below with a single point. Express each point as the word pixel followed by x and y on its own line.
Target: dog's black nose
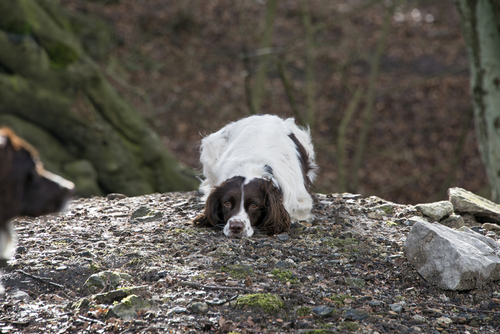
pixel 236 227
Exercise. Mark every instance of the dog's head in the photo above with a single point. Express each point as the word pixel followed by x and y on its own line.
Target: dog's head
pixel 240 206
pixel 26 188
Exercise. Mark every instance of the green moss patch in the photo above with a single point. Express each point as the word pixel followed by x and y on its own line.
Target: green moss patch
pixel 18 27
pixel 268 302
pixel 239 271
pixel 303 311
pixel 285 276
pixel 127 301
pixel 349 325
pixel 339 300
pixel 187 231
pixel 60 54
pixel 387 208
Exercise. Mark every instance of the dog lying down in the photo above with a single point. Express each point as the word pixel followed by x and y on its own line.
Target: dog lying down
pixel 258 174
pixel 26 189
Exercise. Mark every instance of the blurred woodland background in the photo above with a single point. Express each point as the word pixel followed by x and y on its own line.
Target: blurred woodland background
pixel 384 87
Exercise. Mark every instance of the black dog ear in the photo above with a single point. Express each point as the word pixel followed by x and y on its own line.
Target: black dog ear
pixel 277 219
pixel 212 216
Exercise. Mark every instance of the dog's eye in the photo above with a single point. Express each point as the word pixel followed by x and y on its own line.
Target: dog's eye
pixel 227 204
pixel 253 206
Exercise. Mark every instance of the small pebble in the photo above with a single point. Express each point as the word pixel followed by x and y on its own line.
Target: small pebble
pixel 419 319
pixel 199 307
pixel 179 310
pixel 282 264
pixel 115 196
pixel 20 250
pixel 283 237
pixel 491 227
pixel 444 321
pixel 491 234
pixel 477 229
pixel 398 308
pixel 19 295
pixel 322 311
pixel 351 196
pixel 374 303
pixel 356 315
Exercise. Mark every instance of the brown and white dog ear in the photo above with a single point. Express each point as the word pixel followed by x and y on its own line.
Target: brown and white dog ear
pixel 277 219
pixel 3 139
pixel 5 153
pixel 213 212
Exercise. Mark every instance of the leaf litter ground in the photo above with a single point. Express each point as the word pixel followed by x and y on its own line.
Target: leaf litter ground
pixel 342 272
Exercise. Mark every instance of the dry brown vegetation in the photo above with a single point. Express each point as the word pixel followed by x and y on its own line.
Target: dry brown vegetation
pixel 189 66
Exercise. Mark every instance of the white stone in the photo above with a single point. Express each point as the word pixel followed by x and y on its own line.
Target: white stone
pixel 129 307
pixel 452 260
pixel 482 209
pixel 436 211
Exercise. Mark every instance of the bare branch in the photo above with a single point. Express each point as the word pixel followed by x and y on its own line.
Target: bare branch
pixel 260 77
pixel 309 36
pixel 334 21
pixel 42 279
pixel 370 99
pixel 457 157
pixel 346 119
pixel 289 92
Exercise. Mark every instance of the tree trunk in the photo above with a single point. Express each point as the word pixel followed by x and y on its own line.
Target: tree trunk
pixel 48 84
pixel 481 24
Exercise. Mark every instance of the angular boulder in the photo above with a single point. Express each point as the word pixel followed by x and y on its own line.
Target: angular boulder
pixel 436 211
pixel 127 309
pixel 145 214
pixel 97 282
pixel 482 209
pixel 452 260
pixel 453 221
pixel 115 295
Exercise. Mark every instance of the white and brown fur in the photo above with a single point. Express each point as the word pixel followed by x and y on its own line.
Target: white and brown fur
pixel 259 171
pixel 26 188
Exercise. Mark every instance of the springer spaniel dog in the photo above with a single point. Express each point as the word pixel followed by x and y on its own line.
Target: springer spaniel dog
pixel 258 174
pixel 25 188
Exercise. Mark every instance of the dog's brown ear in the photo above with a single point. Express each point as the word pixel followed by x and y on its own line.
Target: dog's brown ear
pixel 277 219
pixel 213 211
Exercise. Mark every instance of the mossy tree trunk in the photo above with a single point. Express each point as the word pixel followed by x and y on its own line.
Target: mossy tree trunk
pixel 481 28
pixel 55 96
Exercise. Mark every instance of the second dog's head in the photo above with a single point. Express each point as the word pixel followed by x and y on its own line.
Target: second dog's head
pixel 26 188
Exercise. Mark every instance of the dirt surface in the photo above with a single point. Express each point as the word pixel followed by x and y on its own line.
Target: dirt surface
pixel 342 272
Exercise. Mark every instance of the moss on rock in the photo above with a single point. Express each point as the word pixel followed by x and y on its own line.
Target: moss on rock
pixel 268 302
pixel 303 311
pixel 238 271
pixel 285 276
